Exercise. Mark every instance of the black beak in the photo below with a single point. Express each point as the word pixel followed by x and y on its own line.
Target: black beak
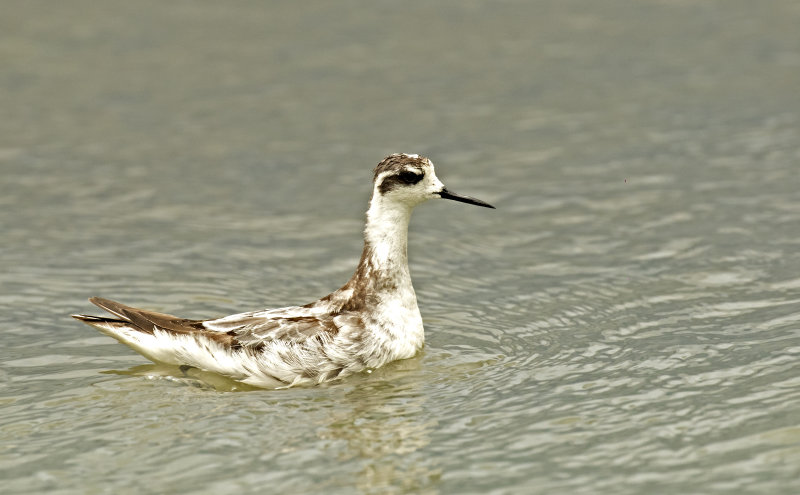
pixel 445 194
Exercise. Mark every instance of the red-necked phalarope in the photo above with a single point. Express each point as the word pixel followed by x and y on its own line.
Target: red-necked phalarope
pixel 372 320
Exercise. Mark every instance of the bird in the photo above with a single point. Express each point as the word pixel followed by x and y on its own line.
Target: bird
pixel 370 321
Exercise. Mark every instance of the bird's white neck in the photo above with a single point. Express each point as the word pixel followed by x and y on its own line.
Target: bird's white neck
pixel 382 279
pixel 386 235
pixel 380 289
pixel 382 274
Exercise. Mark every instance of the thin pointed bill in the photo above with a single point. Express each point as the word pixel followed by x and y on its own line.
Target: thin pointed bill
pixel 445 194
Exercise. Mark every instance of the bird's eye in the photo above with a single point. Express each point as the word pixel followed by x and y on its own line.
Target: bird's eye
pixel 410 177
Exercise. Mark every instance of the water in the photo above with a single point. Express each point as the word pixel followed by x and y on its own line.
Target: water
pixel 627 320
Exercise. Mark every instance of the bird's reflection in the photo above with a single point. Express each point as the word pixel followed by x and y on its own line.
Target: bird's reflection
pixel 384 423
pixel 186 375
pixel 380 422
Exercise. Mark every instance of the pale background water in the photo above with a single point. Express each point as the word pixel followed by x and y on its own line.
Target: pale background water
pixel 627 321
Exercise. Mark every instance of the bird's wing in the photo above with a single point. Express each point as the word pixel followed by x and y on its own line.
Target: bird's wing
pixel 145 320
pixel 292 324
pixel 149 321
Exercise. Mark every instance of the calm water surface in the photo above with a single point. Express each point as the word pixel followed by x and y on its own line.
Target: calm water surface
pixel 627 320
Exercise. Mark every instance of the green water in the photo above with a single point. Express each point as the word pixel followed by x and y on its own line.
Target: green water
pixel 627 321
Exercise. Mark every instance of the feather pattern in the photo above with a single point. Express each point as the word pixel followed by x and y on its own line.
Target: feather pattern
pixel 372 320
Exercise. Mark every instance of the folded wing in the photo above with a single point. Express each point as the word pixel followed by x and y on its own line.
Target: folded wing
pixel 254 329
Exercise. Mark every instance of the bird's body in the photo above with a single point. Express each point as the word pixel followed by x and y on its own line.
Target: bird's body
pixel 370 321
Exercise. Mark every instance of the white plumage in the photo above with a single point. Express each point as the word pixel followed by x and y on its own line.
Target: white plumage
pixel 372 320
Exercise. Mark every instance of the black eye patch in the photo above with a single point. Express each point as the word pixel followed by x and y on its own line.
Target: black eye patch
pixel 410 177
pixel 403 178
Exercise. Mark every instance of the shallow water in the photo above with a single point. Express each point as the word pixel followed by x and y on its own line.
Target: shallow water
pixel 627 320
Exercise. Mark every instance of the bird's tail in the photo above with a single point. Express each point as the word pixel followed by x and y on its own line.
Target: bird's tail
pixel 109 326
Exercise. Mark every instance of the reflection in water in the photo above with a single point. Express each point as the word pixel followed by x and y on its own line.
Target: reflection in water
pixel 383 424
pixel 187 375
pixel 380 424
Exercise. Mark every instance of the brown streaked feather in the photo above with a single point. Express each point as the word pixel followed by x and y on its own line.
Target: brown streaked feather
pixel 394 164
pixel 90 320
pixel 290 329
pixel 292 324
pixel 399 161
pixel 145 321
pixel 249 330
